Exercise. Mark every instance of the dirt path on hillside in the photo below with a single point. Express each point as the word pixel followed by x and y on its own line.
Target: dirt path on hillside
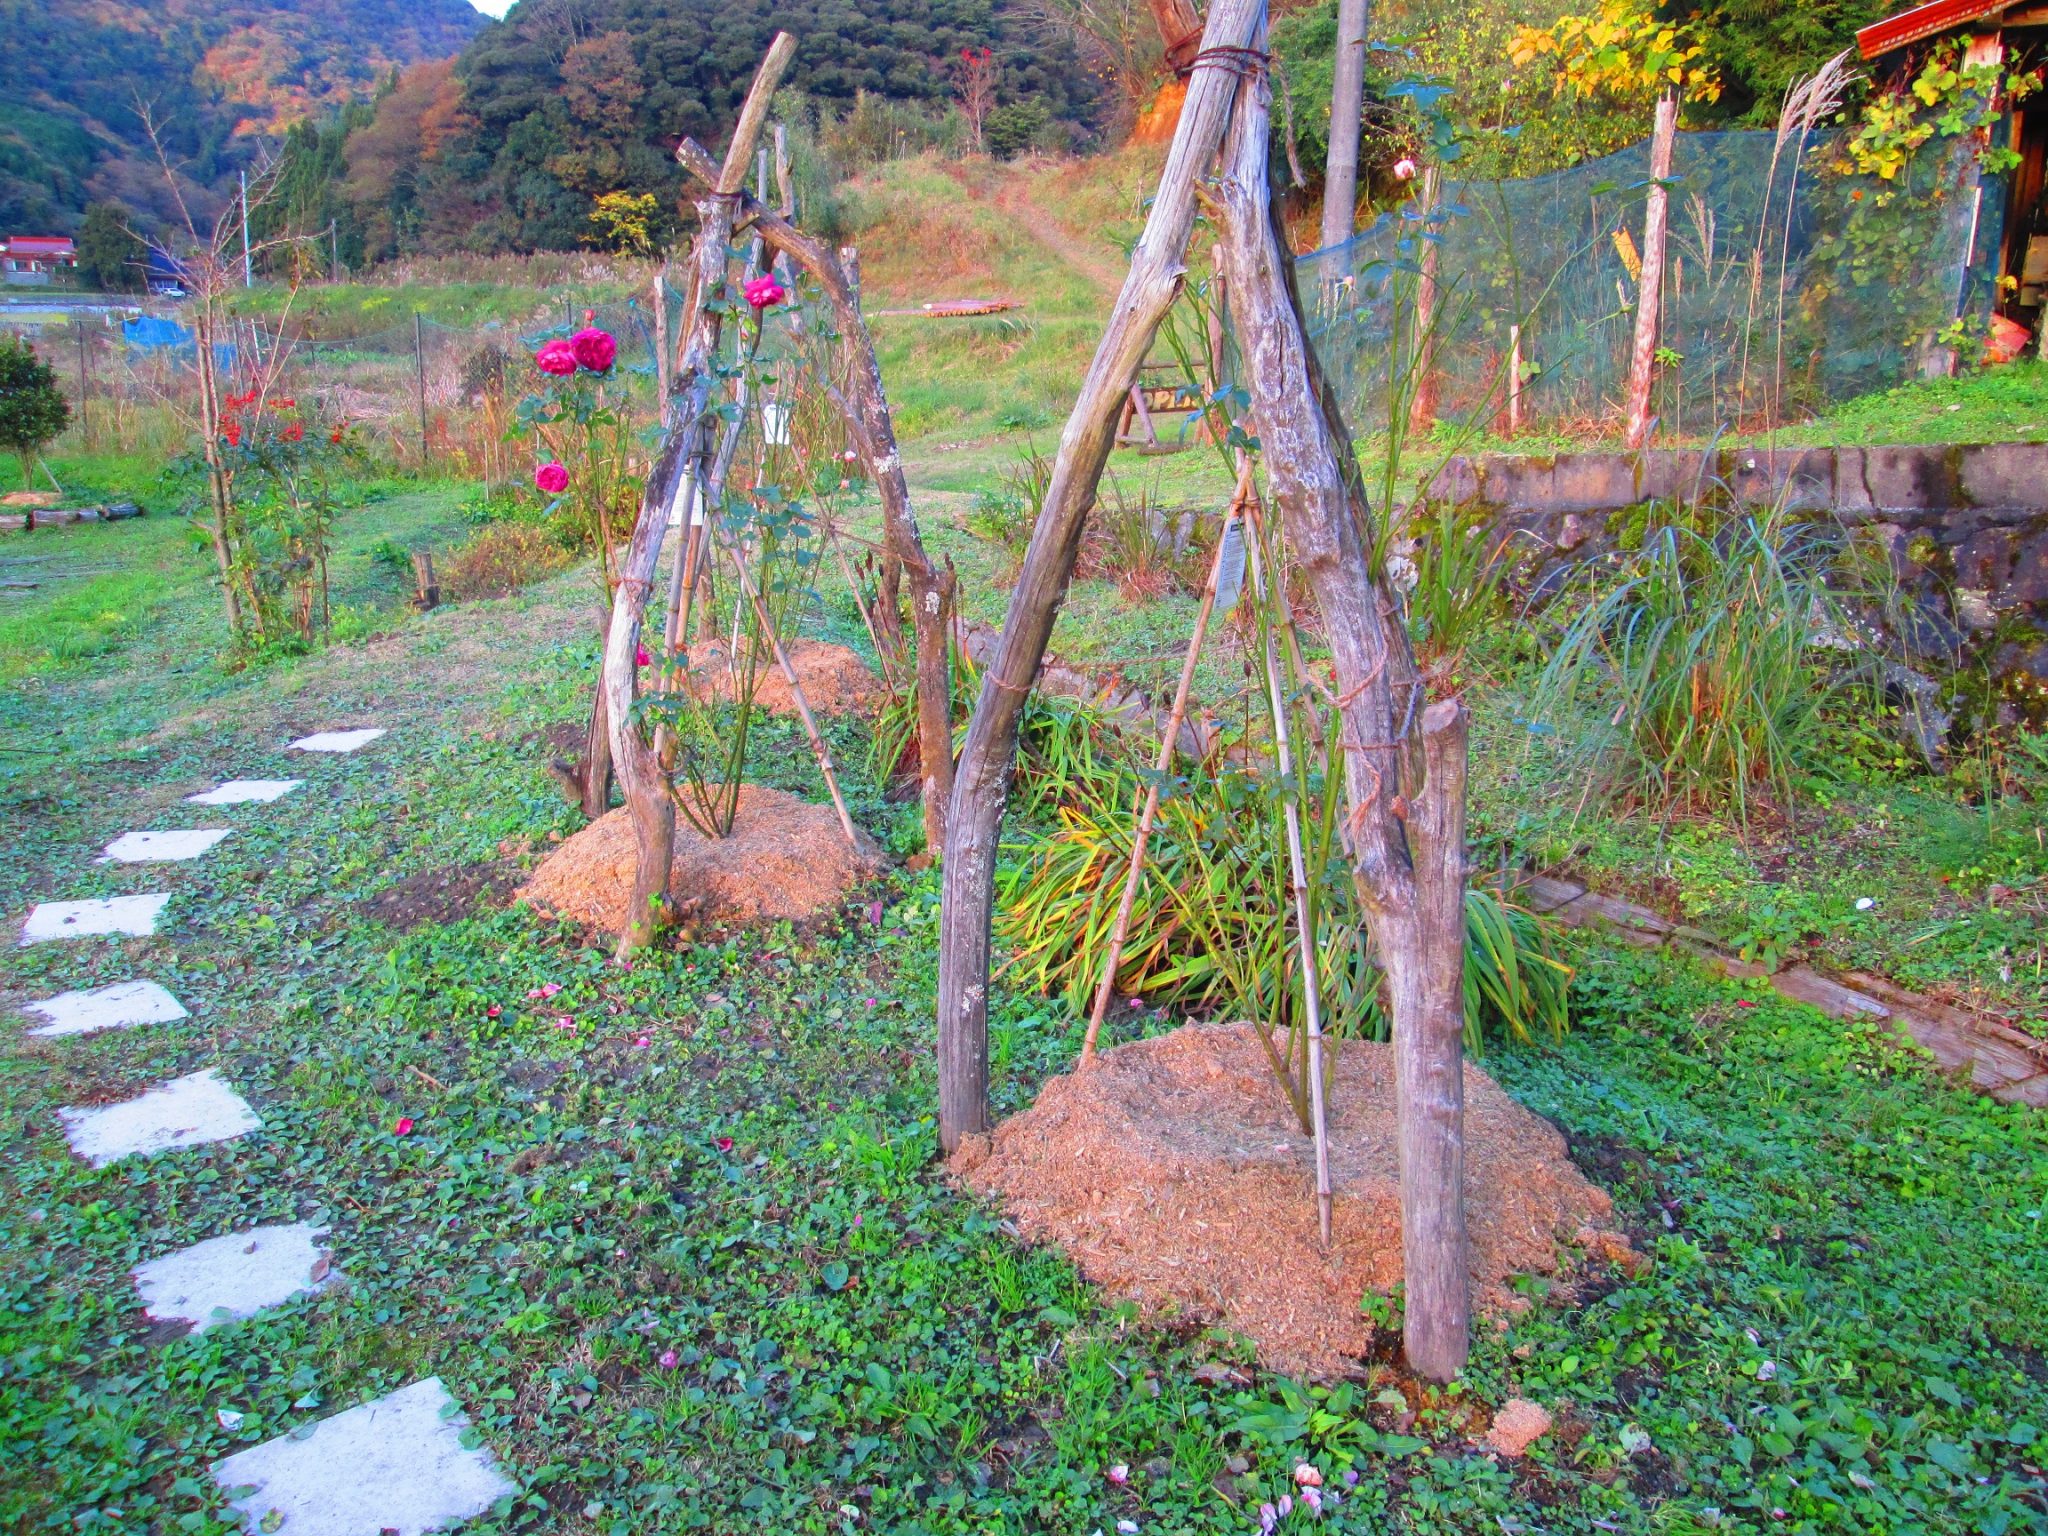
pixel 1100 268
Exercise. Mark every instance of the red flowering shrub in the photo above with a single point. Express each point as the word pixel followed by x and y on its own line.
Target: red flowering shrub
pixel 557 357
pixel 594 349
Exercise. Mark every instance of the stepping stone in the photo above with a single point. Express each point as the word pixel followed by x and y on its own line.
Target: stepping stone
pixel 161 847
pixel 135 915
pixel 336 741
pixel 393 1465
pixel 185 1112
pixel 122 1006
pixel 243 791
pixel 235 1276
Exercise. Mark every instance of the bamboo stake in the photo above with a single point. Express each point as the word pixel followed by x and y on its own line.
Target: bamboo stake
pixel 1297 878
pixel 796 689
pixel 1167 743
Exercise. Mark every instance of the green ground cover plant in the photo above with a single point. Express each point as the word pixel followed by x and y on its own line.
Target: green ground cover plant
pixel 673 1233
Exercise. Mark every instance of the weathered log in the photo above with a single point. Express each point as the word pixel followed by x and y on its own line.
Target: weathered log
pixel 988 758
pixel 1404 766
pixel 633 756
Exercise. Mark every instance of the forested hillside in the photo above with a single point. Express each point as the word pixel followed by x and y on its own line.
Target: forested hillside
pixel 570 100
pixel 81 74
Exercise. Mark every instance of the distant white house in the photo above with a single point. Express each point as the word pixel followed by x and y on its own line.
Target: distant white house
pixel 35 259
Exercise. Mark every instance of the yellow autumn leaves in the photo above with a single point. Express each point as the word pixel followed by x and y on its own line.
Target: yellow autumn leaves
pixel 1623 52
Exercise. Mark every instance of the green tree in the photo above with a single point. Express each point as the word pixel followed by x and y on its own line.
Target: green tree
pixel 32 409
pixel 110 257
pixel 1015 127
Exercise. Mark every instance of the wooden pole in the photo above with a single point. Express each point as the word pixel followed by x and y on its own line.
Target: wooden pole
pixel 427 587
pixel 633 756
pixel 1347 107
pixel 662 376
pixel 1297 880
pixel 988 757
pixel 1404 764
pixel 1643 360
pixel 1168 742
pixel 1180 32
pixel 419 374
pixel 1514 380
pixel 1422 403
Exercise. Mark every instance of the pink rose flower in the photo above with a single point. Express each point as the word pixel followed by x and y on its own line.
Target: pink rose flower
pixel 1405 169
pixel 557 357
pixel 404 1126
pixel 552 477
pixel 594 349
pixel 764 293
pixel 640 656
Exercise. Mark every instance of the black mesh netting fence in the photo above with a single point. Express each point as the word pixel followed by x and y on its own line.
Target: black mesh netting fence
pixel 1782 291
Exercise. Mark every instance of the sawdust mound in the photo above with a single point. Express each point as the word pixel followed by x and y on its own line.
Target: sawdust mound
pixel 785 858
pixel 1174 1173
pixel 834 679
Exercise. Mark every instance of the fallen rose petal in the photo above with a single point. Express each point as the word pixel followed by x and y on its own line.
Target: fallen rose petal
pixel 404 1126
pixel 1120 1474
pixel 725 1143
pixel 668 1360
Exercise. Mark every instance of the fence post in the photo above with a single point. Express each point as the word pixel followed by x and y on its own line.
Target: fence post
pixel 419 373
pixel 1514 380
pixel 1643 361
pixel 661 347
pixel 84 394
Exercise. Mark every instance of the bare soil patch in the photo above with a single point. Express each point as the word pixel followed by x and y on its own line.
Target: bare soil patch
pixel 445 895
pixel 1174 1173
pixel 786 858
pixel 834 679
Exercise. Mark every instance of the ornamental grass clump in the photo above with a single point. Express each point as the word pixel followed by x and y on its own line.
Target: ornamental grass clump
pixel 1212 926
pixel 1701 668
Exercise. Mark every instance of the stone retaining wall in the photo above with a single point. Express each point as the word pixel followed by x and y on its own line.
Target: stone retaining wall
pixel 1966 526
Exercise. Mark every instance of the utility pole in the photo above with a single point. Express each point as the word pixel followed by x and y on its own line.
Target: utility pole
pixel 333 254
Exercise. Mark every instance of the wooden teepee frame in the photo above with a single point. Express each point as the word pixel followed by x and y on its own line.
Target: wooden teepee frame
pixel 1404 758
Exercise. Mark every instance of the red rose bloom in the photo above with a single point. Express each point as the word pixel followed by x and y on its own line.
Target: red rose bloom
pixel 764 293
pixel 557 357
pixel 552 477
pixel 594 349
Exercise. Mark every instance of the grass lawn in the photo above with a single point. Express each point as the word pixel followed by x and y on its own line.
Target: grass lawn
pixel 673 1235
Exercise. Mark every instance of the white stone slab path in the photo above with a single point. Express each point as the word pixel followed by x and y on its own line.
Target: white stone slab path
pixel 185 1112
pixel 162 847
pixel 132 915
pixel 336 741
pixel 124 1005
pixel 244 791
pixel 395 1464
pixel 236 1276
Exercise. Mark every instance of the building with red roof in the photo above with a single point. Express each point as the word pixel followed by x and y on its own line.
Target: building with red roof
pixel 36 258
pixel 2012 213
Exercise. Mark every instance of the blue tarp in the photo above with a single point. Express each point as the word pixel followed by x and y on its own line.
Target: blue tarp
pixel 151 333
